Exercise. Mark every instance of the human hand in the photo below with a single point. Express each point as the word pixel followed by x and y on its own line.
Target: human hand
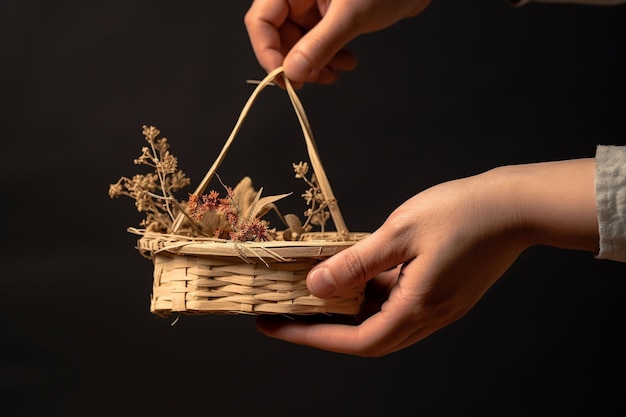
pixel 308 37
pixel 439 252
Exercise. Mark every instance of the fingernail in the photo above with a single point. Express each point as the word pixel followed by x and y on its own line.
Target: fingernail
pixel 300 68
pixel 322 283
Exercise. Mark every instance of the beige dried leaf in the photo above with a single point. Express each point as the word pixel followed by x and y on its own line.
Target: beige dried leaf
pixel 263 205
pixel 293 222
pixel 243 196
pixel 294 227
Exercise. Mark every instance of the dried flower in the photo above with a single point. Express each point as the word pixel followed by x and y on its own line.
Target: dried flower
pixel 154 191
pixel 317 213
pixel 236 216
pixel 198 206
pixel 301 169
pixel 242 227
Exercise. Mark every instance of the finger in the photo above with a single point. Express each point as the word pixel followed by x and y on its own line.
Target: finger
pixel 344 60
pixel 372 338
pixel 414 338
pixel 424 308
pixel 262 21
pixel 377 292
pixel 401 321
pixel 289 34
pixel 380 286
pixel 357 264
pixel 319 46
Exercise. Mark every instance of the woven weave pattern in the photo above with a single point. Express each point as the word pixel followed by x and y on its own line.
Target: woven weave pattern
pixel 196 284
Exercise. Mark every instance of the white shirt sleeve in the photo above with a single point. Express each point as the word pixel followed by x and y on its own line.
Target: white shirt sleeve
pixel 589 2
pixel 610 184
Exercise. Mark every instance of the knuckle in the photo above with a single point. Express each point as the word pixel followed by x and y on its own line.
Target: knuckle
pixel 398 222
pixel 250 18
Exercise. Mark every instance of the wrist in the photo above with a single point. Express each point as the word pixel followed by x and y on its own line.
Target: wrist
pixel 551 203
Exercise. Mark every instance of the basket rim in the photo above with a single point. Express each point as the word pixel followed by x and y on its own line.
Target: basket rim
pixel 313 245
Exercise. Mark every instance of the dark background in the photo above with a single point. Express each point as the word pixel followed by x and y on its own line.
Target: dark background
pixel 466 86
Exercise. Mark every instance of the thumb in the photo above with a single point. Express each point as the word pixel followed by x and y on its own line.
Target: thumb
pixel 318 46
pixel 354 266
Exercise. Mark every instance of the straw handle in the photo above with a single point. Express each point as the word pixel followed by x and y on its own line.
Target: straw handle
pixel 316 162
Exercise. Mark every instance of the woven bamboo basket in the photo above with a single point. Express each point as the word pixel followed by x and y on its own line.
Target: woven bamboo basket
pixel 216 276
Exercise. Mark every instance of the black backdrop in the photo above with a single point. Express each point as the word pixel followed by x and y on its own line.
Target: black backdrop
pixel 464 87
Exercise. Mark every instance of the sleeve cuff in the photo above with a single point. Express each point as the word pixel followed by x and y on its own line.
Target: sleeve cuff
pixel 610 185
